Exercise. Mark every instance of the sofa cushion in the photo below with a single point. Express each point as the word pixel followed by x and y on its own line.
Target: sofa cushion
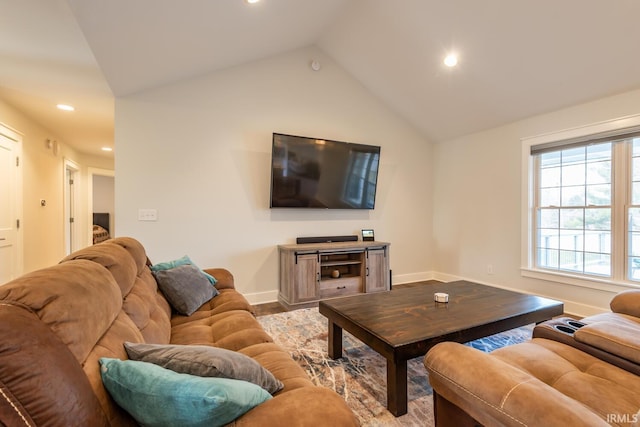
pixel 155 396
pixel 226 301
pixel 279 362
pixel 233 330
pixel 204 361
pixel 185 287
pixel 185 260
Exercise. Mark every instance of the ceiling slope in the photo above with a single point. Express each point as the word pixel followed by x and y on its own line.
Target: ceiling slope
pixel 517 58
pixel 147 43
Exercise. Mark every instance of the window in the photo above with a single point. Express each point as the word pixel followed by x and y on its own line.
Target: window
pixel 573 209
pixel 583 204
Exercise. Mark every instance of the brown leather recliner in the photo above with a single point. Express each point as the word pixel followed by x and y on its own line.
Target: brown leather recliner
pixel 577 373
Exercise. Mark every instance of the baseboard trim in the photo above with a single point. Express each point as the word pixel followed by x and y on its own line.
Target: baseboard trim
pixel 570 307
pixel 412 277
pixel 443 277
pixel 262 297
pixel 581 310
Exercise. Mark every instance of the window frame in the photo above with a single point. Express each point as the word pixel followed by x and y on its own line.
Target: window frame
pixel 563 206
pixel 578 135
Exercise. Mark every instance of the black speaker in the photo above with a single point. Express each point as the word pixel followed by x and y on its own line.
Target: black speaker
pixel 327 239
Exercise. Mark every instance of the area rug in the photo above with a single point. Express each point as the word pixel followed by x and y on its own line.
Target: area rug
pixel 360 375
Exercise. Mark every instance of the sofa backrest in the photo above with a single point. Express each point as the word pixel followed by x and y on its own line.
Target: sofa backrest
pixel 90 303
pixel 126 260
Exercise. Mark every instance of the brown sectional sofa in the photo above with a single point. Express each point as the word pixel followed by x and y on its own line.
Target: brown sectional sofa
pixel 571 373
pixel 56 323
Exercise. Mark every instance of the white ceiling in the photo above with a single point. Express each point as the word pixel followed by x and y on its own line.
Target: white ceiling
pixel 517 58
pixel 45 60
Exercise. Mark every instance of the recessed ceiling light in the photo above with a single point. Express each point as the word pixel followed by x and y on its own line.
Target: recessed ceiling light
pixel 107 149
pixel 451 60
pixel 65 107
pixel 251 1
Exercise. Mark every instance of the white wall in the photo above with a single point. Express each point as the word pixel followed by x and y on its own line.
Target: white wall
pixel 477 202
pixel 200 151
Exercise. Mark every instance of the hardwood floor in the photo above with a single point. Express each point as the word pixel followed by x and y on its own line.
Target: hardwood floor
pixel 268 308
pixel 276 307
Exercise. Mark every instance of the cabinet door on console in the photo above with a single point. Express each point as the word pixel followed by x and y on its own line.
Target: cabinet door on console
pixel 307 278
pixel 377 270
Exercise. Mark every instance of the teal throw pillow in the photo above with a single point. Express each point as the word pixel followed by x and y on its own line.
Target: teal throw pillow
pixel 159 397
pixel 181 261
pixel 205 361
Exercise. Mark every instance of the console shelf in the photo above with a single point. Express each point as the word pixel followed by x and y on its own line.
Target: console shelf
pixel 332 263
pixel 315 271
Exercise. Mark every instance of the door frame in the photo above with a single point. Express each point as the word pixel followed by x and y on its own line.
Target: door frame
pixel 16 136
pixel 91 172
pixel 71 243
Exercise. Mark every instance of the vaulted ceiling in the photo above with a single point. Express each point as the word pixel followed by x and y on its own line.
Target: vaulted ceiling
pixel 516 58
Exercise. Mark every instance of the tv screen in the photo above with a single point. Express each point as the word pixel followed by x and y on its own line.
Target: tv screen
pixel 320 173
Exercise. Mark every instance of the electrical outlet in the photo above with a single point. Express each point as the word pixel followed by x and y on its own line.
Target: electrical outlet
pixel 147 214
pixel 489 268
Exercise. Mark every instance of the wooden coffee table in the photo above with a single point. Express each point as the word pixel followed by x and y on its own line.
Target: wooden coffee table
pixel 406 322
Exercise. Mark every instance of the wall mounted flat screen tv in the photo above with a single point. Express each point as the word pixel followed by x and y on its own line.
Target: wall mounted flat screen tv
pixel 322 174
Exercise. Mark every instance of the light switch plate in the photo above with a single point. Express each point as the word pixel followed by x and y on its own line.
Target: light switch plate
pixel 147 214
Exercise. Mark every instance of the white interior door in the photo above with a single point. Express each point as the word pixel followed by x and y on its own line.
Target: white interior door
pixel 10 259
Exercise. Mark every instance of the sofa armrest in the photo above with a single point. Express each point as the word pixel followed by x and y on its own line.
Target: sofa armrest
pixel 304 406
pixel 223 276
pixel 619 339
pixel 495 393
pixel 626 302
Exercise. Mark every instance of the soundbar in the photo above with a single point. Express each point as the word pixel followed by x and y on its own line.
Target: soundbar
pixel 327 239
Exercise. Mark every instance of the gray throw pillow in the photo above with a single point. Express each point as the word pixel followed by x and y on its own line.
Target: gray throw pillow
pixel 205 361
pixel 185 287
